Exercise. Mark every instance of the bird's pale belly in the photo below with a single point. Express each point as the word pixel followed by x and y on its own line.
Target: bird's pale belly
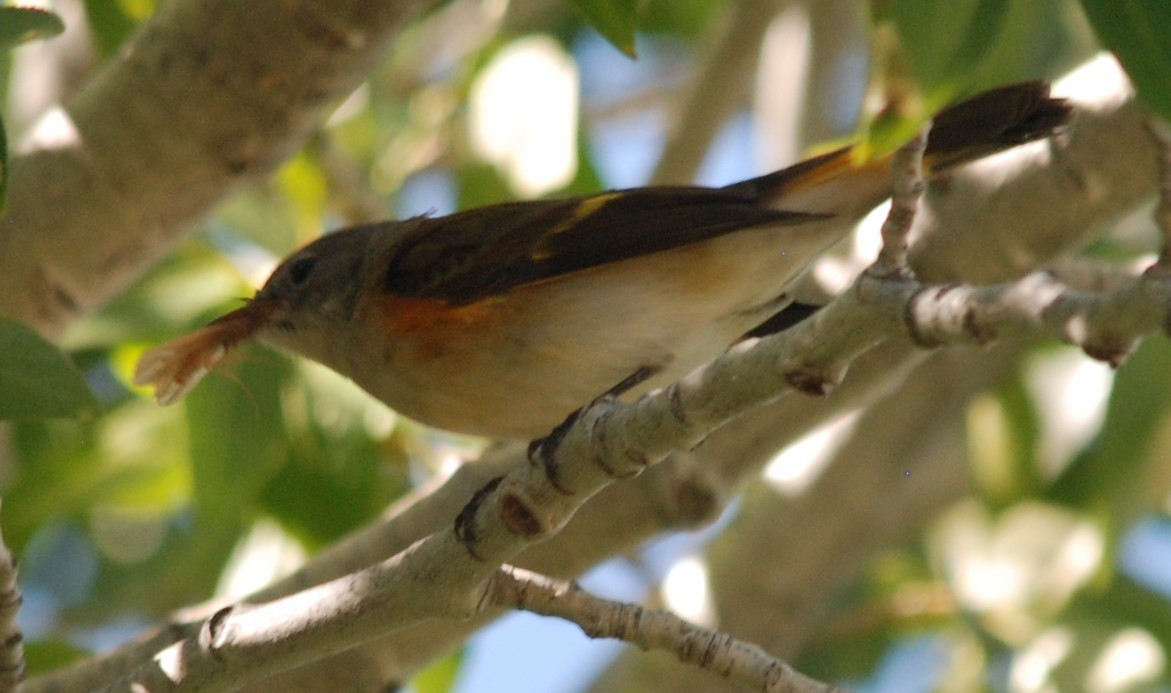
pixel 509 366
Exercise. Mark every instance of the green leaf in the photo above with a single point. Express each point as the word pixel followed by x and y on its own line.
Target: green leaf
pixel 440 676
pixel 238 440
pixel 20 24
pixel 1123 603
pixel 927 54
pixel 1114 472
pixel 48 655
pixel 36 379
pixel 109 24
pixel 481 184
pixel 616 20
pixel 1136 31
pixel 334 482
pixel 689 18
pixel 947 42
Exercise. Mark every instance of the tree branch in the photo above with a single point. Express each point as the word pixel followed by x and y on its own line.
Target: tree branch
pixel 771 365
pixel 1007 215
pixel 436 577
pixel 1030 198
pixel 711 650
pixel 209 94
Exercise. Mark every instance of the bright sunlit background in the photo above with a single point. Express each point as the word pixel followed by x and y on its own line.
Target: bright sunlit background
pixel 1029 582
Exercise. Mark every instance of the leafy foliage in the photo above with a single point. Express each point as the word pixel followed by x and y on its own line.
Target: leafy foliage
pixel 1136 31
pixel 929 54
pixel 21 24
pixel 153 503
pixel 617 20
pixel 36 379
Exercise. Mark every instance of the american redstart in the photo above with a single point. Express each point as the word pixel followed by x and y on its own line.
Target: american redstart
pixel 500 321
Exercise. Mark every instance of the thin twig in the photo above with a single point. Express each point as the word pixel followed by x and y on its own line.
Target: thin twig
pixel 741 662
pixel 908 186
pixel 11 639
pixel 812 356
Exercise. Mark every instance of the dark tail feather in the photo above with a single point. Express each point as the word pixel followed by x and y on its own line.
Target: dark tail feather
pixel 993 121
pixel 984 124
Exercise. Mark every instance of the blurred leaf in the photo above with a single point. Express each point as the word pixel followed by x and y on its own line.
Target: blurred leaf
pixel 1023 428
pixel 586 179
pixel 36 379
pixel 263 215
pixel 21 24
pixel 130 457
pixel 54 461
pixel 184 568
pixel 332 485
pixel 481 184
pixel 947 42
pixel 1123 604
pixel 845 656
pixel 992 450
pixel 926 54
pixel 1112 470
pixel 345 465
pixel 440 676
pixel 1136 31
pixel 317 506
pixel 616 20
pixel 304 185
pixel 691 18
pixel 109 24
pixel 138 10
pixel 236 442
pixel 868 617
pixel 188 289
pixel 236 434
pixel 47 655
pixel 1040 38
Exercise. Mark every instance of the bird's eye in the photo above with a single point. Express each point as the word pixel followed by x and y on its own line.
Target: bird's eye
pixel 300 270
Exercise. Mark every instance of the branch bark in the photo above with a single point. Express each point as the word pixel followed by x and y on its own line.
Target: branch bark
pixel 526 508
pixel 207 95
pixel 55 283
pixel 1030 198
pixel 737 661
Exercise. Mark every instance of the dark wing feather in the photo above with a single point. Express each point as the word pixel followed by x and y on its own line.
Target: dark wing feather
pixel 483 252
pixel 487 251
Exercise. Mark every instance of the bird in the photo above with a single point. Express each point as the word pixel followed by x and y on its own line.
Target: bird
pixel 501 321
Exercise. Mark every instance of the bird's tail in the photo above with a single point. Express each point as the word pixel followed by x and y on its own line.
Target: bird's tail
pixel 990 122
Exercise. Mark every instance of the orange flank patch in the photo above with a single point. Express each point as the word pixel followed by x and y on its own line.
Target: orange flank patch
pixel 431 325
